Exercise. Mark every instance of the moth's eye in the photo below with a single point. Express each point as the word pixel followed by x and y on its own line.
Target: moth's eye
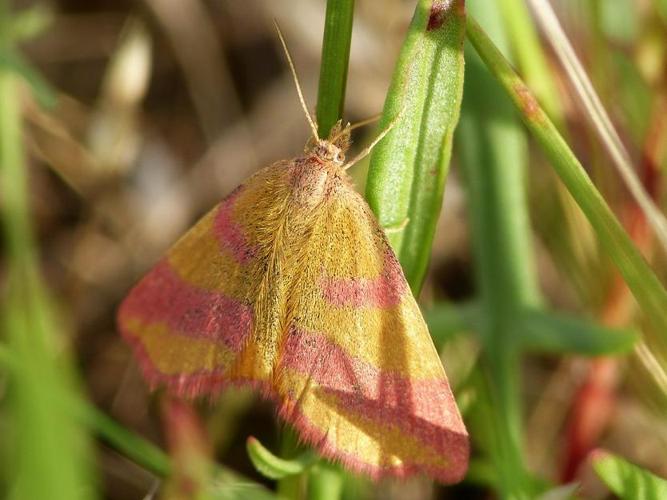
pixel 340 157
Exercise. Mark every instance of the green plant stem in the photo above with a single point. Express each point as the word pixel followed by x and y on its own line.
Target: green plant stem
pixel 640 278
pixel 290 486
pixel 334 65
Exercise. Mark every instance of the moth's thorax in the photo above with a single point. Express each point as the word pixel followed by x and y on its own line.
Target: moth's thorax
pixel 318 173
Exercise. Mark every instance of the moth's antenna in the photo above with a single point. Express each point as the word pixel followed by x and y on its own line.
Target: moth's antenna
pixel 370 147
pixel 311 122
pixel 367 121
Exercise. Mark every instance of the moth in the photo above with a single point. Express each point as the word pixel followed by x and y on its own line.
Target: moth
pixel 290 286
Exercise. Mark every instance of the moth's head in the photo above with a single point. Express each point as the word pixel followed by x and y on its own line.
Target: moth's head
pixel 328 152
pixel 332 149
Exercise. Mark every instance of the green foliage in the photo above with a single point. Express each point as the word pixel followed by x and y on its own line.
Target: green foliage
pixel 627 480
pixel 326 482
pixel 12 62
pixel 132 446
pixel 46 441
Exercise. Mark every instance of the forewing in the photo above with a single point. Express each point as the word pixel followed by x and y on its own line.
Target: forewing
pixel 190 318
pixel 358 373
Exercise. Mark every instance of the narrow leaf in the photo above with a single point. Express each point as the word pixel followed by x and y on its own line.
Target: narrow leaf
pixel 628 480
pixel 595 111
pixel 46 442
pixel 549 332
pixel 409 167
pixel 275 467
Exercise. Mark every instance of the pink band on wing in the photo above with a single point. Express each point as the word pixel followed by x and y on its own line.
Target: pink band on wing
pixel 229 232
pixel 191 385
pixel 164 297
pixel 384 291
pixel 424 409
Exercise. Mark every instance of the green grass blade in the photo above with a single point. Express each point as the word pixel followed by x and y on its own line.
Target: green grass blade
pixel 538 331
pixel 642 281
pixel 493 159
pixel 409 167
pixel 41 89
pixel 493 162
pixel 627 480
pixel 334 65
pixel 226 484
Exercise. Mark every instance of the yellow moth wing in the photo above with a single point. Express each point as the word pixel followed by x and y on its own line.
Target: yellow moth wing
pixel 358 373
pixel 191 318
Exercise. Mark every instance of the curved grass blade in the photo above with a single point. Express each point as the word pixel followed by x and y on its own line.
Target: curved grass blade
pixel 408 169
pixel 41 89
